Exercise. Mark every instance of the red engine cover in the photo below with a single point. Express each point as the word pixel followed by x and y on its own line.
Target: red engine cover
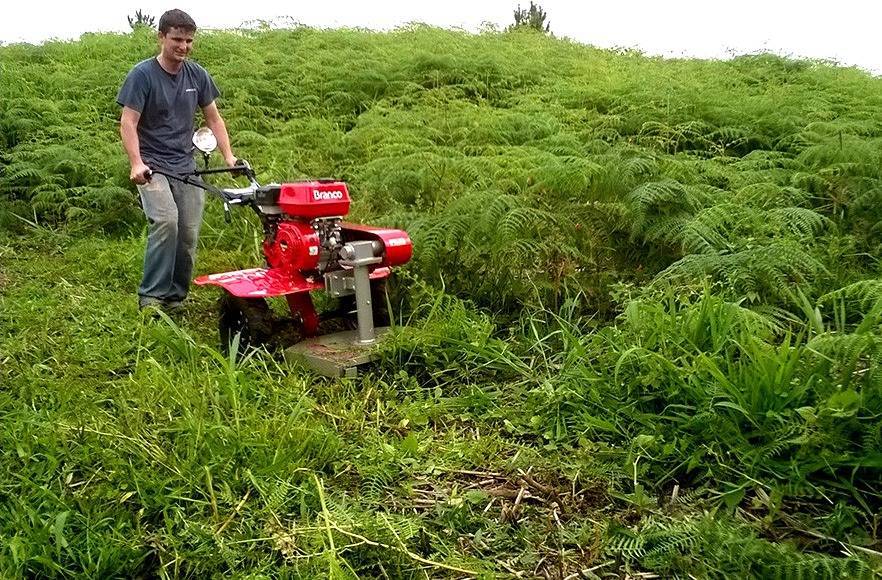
pixel 295 247
pixel 314 199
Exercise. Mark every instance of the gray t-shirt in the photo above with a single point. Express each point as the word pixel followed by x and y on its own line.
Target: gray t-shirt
pixel 167 103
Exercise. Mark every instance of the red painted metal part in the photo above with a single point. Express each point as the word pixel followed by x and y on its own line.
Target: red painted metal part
pixel 313 199
pixel 265 283
pixel 262 283
pixel 295 247
pixel 397 246
pixel 301 303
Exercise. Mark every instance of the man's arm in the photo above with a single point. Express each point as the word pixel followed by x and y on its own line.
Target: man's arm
pixel 215 122
pixel 128 130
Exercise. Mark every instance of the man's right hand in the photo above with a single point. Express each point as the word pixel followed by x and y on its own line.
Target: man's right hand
pixel 140 174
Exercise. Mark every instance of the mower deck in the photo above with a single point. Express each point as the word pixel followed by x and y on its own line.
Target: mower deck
pixel 334 355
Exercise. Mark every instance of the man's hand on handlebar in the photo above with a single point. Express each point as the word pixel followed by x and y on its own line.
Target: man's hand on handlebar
pixel 140 173
pixel 240 163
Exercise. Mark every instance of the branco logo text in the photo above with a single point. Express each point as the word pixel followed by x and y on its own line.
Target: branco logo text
pixel 326 195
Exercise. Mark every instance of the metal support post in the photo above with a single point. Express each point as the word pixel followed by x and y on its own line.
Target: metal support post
pixel 358 256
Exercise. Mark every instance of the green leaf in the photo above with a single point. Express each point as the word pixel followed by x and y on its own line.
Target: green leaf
pixel 410 444
pixel 844 404
pixel 733 498
pixel 58 528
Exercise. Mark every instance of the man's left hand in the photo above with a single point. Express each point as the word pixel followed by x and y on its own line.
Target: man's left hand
pixel 230 161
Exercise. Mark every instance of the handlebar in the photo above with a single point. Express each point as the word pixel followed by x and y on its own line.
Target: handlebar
pixel 241 167
pixel 229 197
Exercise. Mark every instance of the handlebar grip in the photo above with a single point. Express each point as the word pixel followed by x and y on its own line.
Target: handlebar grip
pixel 240 163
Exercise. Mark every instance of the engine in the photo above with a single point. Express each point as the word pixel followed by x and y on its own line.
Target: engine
pixel 301 245
pixel 302 224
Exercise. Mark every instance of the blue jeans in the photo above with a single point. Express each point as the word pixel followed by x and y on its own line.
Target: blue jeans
pixel 174 215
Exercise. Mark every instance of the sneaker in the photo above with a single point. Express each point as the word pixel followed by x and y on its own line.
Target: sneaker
pixel 173 306
pixel 149 302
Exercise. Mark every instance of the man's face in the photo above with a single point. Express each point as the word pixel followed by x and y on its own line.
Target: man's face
pixel 176 44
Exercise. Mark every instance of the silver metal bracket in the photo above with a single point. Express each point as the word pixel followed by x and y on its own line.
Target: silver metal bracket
pixel 339 283
pixel 359 256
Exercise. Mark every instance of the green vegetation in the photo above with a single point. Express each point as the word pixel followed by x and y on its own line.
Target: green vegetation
pixel 641 331
pixel 141 19
pixel 532 17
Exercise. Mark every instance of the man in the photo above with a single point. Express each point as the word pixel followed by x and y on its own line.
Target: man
pixel 159 99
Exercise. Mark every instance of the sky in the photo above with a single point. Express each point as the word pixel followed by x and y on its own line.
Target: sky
pixel 845 31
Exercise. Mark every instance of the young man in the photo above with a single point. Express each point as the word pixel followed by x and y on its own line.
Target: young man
pixel 159 99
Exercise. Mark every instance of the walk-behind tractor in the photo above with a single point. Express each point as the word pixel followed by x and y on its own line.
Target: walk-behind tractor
pixel 307 247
